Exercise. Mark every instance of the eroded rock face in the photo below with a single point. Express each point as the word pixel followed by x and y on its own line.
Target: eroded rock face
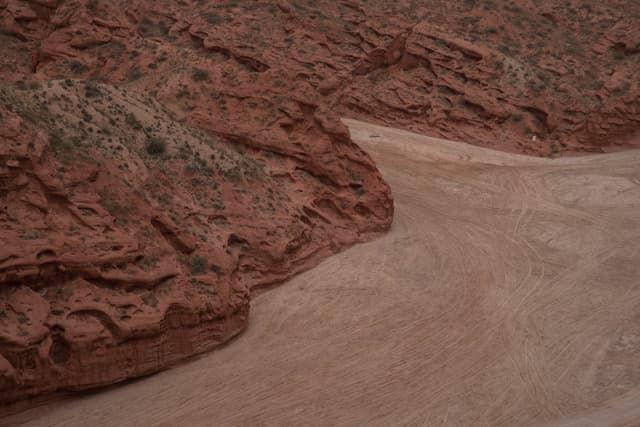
pixel 131 241
pixel 137 213
pixel 541 77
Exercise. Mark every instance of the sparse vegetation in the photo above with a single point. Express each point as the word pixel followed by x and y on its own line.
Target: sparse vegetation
pixel 213 18
pixel 198 265
pixel 77 67
pixel 150 299
pixel 134 74
pixel 618 54
pixel 200 75
pixel 156 146
pixel 91 90
pixel 132 121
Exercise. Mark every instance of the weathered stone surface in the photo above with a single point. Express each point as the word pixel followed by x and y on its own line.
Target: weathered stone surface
pixel 131 239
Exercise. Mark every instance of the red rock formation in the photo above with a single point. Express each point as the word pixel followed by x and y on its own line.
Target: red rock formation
pixel 498 74
pixel 494 74
pixel 132 240
pixel 136 214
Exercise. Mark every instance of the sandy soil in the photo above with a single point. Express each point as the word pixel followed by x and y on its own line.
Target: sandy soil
pixel 507 293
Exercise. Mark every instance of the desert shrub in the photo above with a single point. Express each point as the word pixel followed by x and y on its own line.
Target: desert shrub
pixel 618 55
pixel 134 73
pixel 77 67
pixel 91 90
pixel 198 265
pixel 214 19
pixel 133 121
pixel 156 146
pixel 200 75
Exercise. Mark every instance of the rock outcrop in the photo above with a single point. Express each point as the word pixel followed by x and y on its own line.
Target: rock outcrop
pixel 145 194
pixel 131 241
pixel 543 78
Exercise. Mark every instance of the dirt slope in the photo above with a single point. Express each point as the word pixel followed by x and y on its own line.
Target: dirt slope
pixel 506 294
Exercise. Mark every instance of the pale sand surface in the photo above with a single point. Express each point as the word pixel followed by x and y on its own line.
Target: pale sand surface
pixel 506 294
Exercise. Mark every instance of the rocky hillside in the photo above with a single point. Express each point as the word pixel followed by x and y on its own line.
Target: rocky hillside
pixel 137 212
pixel 160 159
pixel 543 77
pixel 131 241
pixel 540 77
